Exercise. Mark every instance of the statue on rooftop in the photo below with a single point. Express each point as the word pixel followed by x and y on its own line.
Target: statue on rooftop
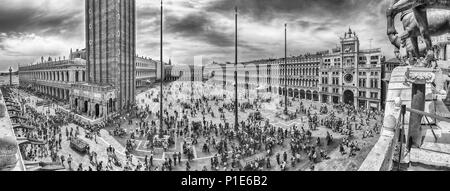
pixel 420 18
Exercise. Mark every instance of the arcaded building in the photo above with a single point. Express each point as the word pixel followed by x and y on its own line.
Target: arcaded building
pixel 345 74
pixel 145 71
pixel 53 77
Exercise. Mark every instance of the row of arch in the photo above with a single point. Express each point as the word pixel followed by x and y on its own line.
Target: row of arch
pixel 301 82
pixel 59 76
pixel 299 93
pixel 301 71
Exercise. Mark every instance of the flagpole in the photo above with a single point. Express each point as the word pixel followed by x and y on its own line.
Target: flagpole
pixel 162 74
pixel 285 70
pixel 236 121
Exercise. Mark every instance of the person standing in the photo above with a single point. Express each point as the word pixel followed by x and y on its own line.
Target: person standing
pixel 278 158
pixel 146 161
pixel 175 159
pixel 69 161
pixel 188 166
pixel 151 160
pixel 62 160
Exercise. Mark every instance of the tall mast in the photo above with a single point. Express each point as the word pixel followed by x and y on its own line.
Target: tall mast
pixel 236 121
pixel 285 70
pixel 162 73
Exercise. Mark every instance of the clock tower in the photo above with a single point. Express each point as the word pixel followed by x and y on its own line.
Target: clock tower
pixel 349 67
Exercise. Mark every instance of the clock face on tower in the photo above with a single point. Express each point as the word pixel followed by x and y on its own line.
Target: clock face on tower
pixel 348 78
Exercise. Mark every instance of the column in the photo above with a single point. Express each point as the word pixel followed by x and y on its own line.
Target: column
pixel 89 108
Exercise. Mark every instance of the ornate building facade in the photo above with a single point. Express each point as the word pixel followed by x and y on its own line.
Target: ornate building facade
pixel 145 71
pixel 53 78
pixel 351 75
pixel 345 74
pixel 73 71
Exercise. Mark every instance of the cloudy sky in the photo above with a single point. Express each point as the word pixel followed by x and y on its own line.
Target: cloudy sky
pixel 30 29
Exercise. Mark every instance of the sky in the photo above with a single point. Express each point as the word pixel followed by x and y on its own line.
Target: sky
pixel 30 29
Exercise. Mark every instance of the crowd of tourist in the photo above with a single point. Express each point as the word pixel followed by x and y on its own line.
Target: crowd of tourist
pixel 197 119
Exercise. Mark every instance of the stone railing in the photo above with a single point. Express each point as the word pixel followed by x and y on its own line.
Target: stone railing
pixel 399 93
pixel 380 157
pixel 10 157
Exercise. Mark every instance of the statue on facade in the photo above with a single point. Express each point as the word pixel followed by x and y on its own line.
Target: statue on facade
pixel 420 18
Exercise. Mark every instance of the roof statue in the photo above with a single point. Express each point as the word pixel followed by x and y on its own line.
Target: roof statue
pixel 420 18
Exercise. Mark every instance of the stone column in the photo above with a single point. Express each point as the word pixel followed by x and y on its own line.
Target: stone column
pixel 70 76
pixel 89 108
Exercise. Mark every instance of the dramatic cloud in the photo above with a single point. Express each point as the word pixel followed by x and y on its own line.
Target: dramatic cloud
pixel 30 29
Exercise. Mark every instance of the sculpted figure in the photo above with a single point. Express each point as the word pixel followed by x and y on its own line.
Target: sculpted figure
pixel 438 24
pixel 423 18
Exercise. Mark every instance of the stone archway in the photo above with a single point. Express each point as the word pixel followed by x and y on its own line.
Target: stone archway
pixel 291 92
pixel 86 107
pixel 308 95
pixel 316 96
pixel 348 97
pixel 302 94
pixel 76 103
pixel 296 93
pixel 97 110
pixel 110 105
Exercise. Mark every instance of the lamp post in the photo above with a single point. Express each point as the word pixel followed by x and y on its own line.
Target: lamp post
pixel 10 76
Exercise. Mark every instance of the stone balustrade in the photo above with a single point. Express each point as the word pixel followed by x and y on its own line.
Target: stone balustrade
pixel 10 157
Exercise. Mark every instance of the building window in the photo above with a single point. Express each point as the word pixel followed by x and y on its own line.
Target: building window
pixel 362 83
pixel 374 95
pixel 362 94
pixel 374 83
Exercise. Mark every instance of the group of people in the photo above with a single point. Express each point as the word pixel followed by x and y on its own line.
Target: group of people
pixel 194 118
